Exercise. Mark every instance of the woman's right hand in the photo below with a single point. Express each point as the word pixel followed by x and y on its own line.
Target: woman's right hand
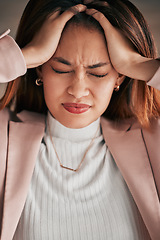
pixel 45 42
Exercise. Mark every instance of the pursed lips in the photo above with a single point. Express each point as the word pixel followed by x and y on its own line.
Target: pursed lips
pixel 76 108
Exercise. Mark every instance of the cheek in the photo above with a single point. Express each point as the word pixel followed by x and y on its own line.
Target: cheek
pixel 51 95
pixel 49 88
pixel 52 91
pixel 104 93
pixel 52 85
pixel 105 89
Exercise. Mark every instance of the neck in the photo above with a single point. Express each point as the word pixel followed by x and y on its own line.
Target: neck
pixel 74 135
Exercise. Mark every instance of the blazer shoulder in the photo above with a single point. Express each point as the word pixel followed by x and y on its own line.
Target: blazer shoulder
pixel 121 125
pixel 130 124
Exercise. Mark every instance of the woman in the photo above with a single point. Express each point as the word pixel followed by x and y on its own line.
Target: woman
pixel 62 176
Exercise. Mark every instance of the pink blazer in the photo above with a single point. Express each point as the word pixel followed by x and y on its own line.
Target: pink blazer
pixel 135 150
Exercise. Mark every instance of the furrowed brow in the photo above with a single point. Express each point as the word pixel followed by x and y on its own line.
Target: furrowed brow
pixel 61 60
pixel 97 65
pixel 64 61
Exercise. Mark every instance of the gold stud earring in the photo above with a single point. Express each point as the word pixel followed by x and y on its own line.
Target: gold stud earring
pixel 116 89
pixel 39 82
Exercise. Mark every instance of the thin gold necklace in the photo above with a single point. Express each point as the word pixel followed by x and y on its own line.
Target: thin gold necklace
pixel 61 165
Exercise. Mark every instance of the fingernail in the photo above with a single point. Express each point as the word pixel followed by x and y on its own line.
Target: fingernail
pixel 82 7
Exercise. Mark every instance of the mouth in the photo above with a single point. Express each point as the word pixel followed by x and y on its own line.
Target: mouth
pixel 76 108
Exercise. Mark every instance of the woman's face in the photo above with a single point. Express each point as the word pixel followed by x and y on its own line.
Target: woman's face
pixel 79 79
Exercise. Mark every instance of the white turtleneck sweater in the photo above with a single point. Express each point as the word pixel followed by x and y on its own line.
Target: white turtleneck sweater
pixel 93 203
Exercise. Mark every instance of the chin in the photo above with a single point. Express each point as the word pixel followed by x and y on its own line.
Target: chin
pixel 75 124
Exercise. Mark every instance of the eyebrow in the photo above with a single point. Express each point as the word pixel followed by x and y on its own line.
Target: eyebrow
pixel 64 61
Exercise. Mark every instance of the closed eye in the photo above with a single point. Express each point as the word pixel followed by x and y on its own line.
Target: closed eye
pixel 60 72
pixel 99 76
pixel 63 72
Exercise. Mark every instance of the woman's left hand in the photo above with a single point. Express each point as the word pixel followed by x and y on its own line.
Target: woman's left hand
pixel 122 54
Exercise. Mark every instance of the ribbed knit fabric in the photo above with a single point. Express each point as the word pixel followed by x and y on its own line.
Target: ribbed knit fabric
pixel 92 204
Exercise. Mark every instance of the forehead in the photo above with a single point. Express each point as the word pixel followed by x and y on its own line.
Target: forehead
pixel 79 44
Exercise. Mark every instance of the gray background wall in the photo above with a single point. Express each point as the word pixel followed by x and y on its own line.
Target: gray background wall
pixel 11 10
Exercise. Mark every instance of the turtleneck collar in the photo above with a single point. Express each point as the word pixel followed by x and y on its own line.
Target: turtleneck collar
pixel 76 135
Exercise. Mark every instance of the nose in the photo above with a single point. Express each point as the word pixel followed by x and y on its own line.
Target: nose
pixel 78 87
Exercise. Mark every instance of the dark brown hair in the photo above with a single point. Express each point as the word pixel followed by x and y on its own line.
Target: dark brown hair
pixel 134 99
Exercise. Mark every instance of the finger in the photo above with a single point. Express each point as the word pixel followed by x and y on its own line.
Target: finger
pixel 67 15
pixel 100 18
pixel 54 14
pixel 98 3
pixel 77 8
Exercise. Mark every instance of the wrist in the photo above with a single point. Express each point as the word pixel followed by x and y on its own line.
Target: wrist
pixel 140 68
pixel 145 67
pixel 30 56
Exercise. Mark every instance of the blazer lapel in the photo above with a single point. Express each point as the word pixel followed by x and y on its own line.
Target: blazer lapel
pixel 24 142
pixel 152 141
pixel 130 154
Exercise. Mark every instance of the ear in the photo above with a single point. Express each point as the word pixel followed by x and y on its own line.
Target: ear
pixel 120 79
